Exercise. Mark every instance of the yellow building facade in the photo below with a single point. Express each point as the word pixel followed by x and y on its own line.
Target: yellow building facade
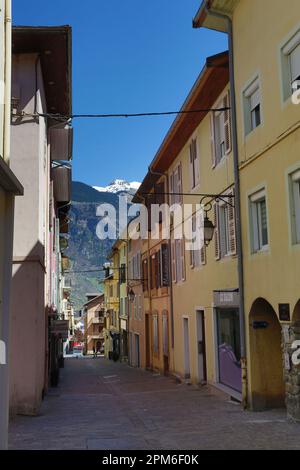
pixel 202 301
pixel 266 54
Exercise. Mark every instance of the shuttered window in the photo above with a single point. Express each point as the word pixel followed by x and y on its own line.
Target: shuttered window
pixel 252 106
pixel 221 139
pixel 153 279
pixel 194 164
pixel 225 231
pixel 164 262
pixel 259 222
pixel 295 206
pixel 145 275
pixel 155 334
pixel 176 185
pixel 198 253
pixel 165 334
pixel 178 260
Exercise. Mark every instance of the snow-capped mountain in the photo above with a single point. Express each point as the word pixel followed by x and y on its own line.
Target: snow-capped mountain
pixel 118 186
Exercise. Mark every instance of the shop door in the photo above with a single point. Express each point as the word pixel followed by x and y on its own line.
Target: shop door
pixel 229 348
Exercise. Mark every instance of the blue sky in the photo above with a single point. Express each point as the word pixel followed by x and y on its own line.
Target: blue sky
pixel 128 56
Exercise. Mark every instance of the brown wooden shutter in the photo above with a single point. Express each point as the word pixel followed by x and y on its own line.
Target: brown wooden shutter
pixel 157 270
pixel 212 139
pixel 164 269
pixel 192 179
pixel 227 124
pixel 231 225
pixel 145 275
pixel 216 233
pixel 179 184
pixel 197 164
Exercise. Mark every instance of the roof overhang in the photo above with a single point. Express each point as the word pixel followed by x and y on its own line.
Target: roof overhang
pixel 95 300
pixel 54 46
pixel 204 20
pixel 208 87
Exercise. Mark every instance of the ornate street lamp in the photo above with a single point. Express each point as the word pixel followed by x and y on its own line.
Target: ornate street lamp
pixel 209 230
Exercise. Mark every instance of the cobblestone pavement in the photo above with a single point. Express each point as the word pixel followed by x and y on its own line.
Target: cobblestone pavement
pixel 103 405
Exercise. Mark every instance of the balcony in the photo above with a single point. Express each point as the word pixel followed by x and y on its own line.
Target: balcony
pixel 62 177
pixel 61 143
pixel 97 321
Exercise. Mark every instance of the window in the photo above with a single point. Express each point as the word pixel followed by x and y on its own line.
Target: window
pixel 224 230
pixel 164 265
pixel 198 253
pixel 221 131
pixel 252 106
pixel 178 260
pixel 145 274
pixel 165 333
pixel 123 273
pixel 295 205
pixel 140 307
pixel 155 333
pixel 194 164
pixel 225 233
pixel 176 185
pixel 259 222
pixel 290 57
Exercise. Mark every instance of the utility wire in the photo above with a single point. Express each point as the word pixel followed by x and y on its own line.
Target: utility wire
pixel 121 115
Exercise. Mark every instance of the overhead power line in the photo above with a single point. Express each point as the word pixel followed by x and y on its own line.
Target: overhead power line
pixel 121 115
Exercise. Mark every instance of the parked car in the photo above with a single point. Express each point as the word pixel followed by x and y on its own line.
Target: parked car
pixel 77 351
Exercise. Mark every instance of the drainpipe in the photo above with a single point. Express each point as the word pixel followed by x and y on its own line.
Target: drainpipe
pixel 237 202
pixel 165 175
pixel 7 80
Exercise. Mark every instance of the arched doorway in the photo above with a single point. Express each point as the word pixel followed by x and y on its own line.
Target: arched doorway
pixel 296 313
pixel 267 382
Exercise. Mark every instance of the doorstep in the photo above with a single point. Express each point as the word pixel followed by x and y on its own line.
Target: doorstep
pixel 229 391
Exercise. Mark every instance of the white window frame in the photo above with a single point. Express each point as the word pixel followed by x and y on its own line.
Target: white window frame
pixel 256 235
pixel 219 135
pixel 286 50
pixel 175 180
pixel 294 188
pixel 252 97
pixel 221 139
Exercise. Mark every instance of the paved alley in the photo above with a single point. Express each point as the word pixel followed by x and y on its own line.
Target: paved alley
pixel 103 405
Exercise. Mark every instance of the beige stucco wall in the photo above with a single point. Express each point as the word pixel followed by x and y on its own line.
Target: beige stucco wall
pixel 30 162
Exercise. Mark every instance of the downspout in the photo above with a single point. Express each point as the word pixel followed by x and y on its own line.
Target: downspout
pixel 7 80
pixel 237 202
pixel 165 175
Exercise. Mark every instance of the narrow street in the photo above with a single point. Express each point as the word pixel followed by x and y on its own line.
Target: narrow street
pixel 101 405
